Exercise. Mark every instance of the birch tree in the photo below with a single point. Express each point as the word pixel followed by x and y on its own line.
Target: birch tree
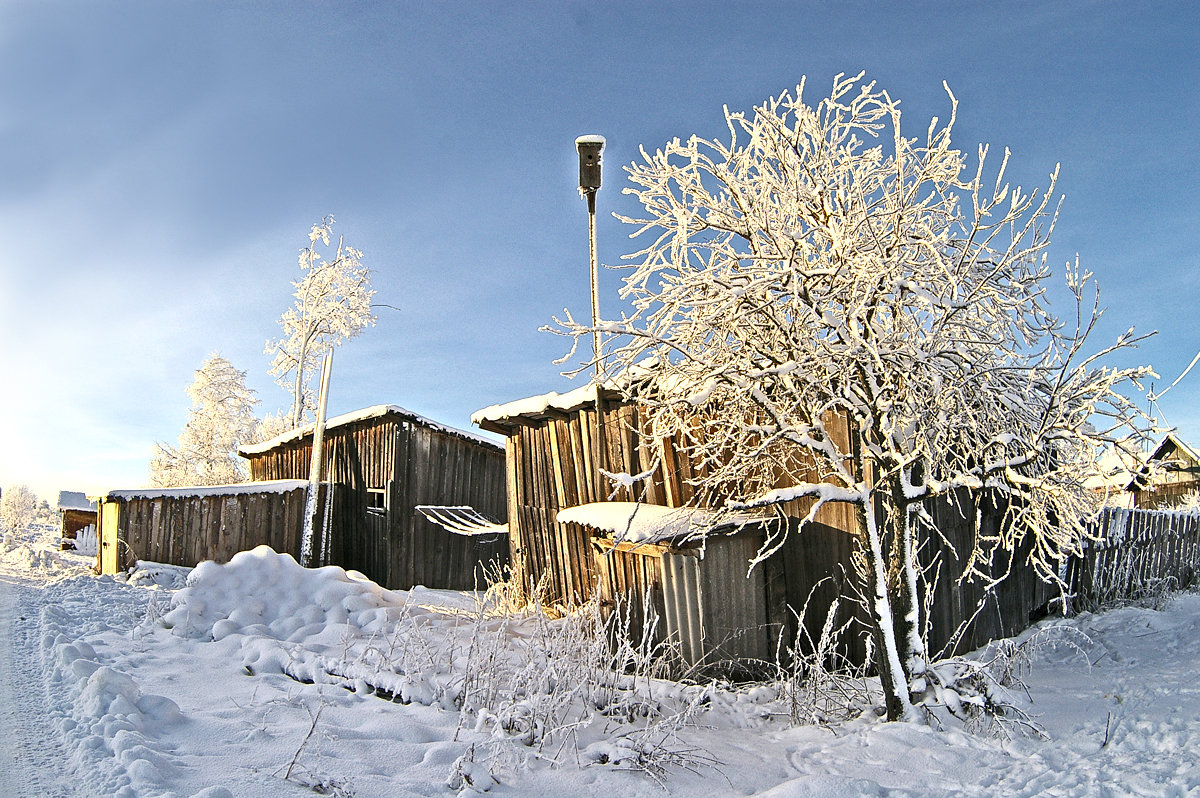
pixel 816 263
pixel 333 305
pixel 220 420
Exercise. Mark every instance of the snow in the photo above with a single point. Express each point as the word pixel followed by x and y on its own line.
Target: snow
pixel 196 683
pixel 86 542
pixel 362 415
pixel 635 522
pixel 539 405
pixel 266 486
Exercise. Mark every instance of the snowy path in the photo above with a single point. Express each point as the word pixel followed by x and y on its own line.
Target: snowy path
pixel 31 757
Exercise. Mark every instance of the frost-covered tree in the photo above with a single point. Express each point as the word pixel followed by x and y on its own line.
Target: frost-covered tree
pixel 272 425
pixel 333 305
pixel 220 420
pixel 18 509
pixel 818 265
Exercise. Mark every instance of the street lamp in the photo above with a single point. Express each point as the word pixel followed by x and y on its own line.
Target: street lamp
pixel 590 148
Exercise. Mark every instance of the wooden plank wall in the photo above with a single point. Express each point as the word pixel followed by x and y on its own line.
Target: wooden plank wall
pixel 185 530
pixel 1138 554
pixel 414 464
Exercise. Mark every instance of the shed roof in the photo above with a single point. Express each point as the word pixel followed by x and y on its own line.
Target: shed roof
pixel 502 417
pixel 266 486
pixel 366 414
pixel 74 500
pixel 637 522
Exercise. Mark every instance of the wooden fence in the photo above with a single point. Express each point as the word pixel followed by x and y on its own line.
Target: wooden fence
pixel 183 526
pixel 1139 554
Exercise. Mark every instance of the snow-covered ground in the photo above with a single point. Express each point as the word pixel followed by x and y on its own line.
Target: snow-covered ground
pixel 262 679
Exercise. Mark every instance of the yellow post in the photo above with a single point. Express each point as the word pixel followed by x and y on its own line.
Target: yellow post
pixel 110 520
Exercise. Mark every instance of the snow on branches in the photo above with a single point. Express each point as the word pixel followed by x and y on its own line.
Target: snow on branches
pixel 333 305
pixel 819 264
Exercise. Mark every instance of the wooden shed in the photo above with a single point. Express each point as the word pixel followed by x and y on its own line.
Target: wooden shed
pixel 184 526
pixel 382 463
pixel 708 600
pixel 78 512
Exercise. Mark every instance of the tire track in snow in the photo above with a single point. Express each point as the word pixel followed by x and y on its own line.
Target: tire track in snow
pixel 32 760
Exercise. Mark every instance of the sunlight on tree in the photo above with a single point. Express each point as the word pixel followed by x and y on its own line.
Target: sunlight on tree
pixel 221 419
pixel 333 305
pixel 819 265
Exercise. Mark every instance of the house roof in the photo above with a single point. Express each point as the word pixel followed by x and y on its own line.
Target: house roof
pixel 1170 442
pixel 366 414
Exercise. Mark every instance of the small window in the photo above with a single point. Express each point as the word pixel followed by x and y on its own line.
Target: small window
pixel 377 501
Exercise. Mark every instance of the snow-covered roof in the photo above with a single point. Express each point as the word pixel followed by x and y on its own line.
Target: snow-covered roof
pixel 267 486
pixel 74 500
pixel 1158 454
pixel 494 417
pixel 1179 444
pixel 361 415
pixel 634 522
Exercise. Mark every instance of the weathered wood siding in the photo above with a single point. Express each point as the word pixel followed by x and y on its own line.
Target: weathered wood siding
pixel 554 462
pixel 411 464
pixel 728 613
pixel 185 530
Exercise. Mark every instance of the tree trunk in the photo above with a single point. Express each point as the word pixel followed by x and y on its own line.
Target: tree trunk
pixel 888 660
pixel 906 600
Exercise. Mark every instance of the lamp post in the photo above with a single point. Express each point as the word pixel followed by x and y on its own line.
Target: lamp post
pixel 590 148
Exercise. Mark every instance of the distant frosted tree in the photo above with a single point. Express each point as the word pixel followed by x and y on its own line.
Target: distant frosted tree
pixel 273 425
pixel 221 419
pixel 333 305
pixel 18 508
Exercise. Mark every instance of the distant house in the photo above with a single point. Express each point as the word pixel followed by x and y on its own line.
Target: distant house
pixel 1171 478
pixel 383 463
pixel 77 513
pixel 1116 468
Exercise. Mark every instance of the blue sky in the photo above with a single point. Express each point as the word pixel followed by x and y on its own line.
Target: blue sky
pixel 161 163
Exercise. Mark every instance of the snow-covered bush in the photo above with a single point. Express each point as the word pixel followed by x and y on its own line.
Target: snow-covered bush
pixel 18 509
